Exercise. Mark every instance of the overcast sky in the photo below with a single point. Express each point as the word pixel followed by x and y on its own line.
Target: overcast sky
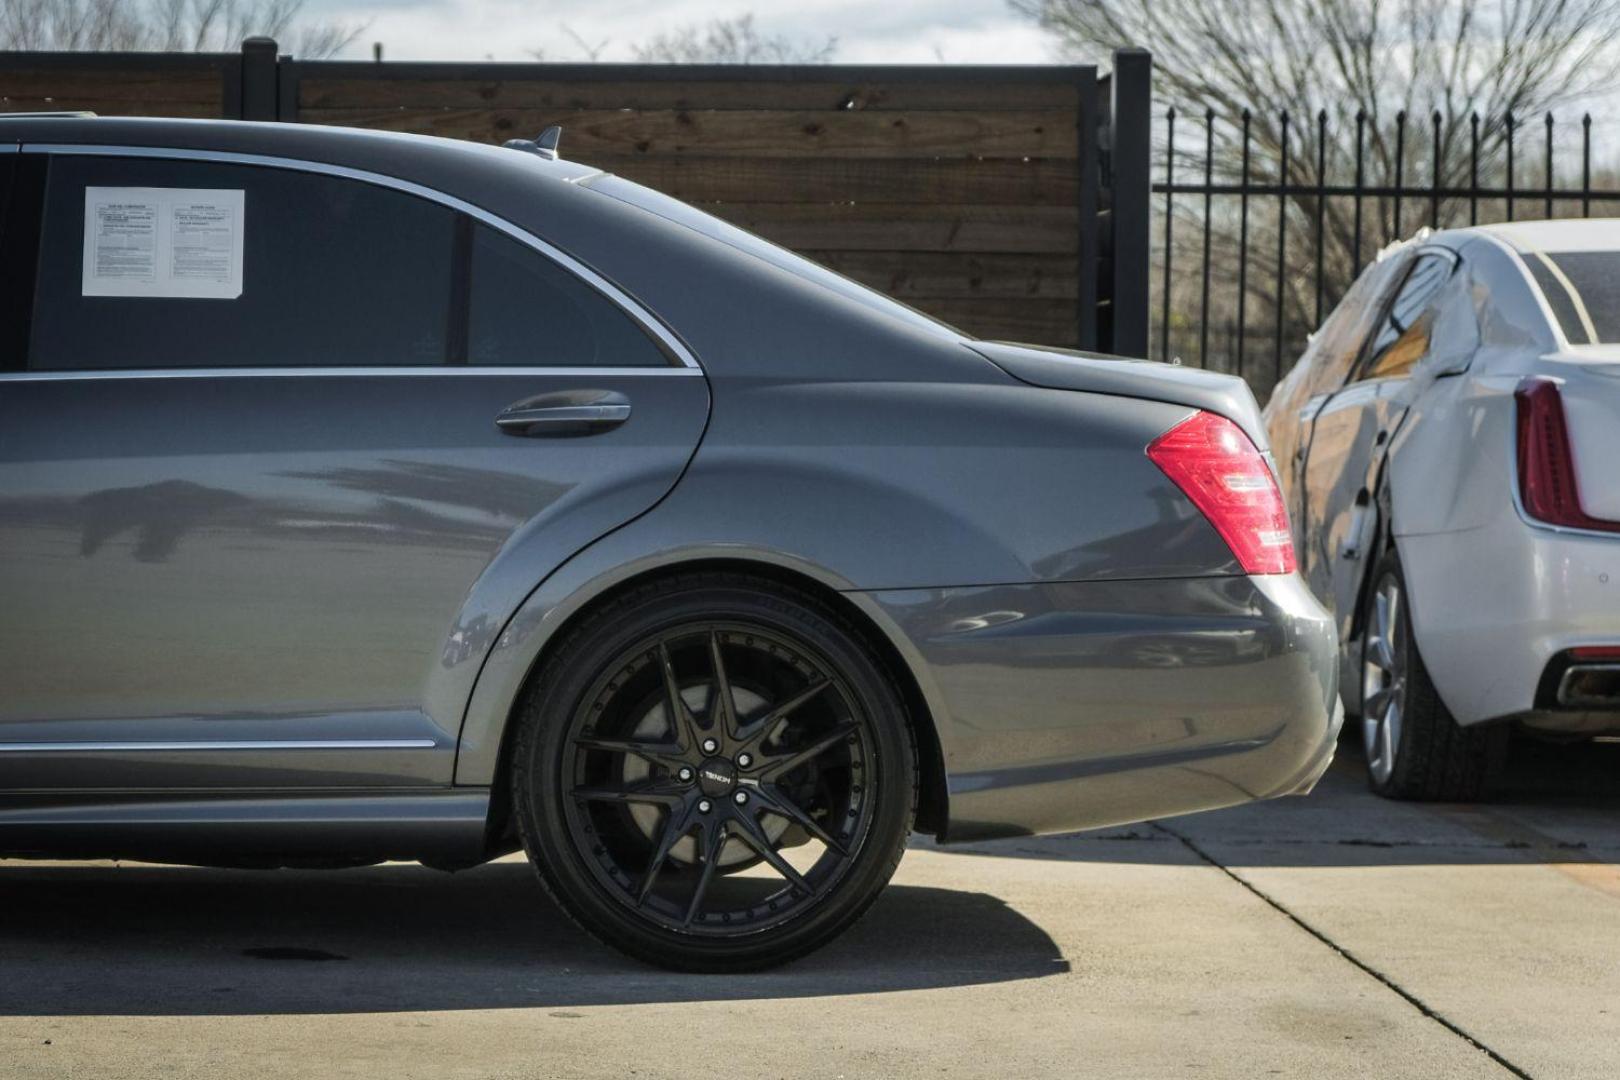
pixel 868 31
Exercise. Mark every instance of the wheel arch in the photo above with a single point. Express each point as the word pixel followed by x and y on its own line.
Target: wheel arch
pixel 932 797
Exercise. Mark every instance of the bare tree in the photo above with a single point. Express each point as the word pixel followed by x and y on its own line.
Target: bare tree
pixel 1431 62
pixel 733 41
pixel 166 26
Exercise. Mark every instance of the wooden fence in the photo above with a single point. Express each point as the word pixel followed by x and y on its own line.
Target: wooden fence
pixel 1010 201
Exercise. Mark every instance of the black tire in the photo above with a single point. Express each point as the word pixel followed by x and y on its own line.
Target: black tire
pixel 585 822
pixel 1424 755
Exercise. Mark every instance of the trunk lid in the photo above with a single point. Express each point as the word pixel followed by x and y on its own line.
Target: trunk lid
pixel 1097 373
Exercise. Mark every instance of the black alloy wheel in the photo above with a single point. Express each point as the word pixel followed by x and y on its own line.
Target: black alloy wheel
pixel 715 774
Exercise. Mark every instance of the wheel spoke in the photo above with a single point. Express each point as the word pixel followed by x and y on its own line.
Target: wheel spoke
pixel 754 836
pixel 761 730
pixel 722 705
pixel 1383 655
pixel 1392 731
pixel 714 839
pixel 1386 741
pixel 676 825
pixel 1378 701
pixel 681 723
pixel 659 753
pixel 658 792
pixel 777 802
pixel 782 766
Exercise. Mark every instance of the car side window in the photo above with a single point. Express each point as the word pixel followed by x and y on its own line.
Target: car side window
pixel 328 271
pixel 1403 334
pixel 525 309
pixel 332 271
pixel 1339 342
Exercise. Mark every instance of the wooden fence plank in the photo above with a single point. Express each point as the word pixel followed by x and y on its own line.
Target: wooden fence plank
pixel 133 85
pixel 113 106
pixel 123 89
pixel 869 226
pixel 918 275
pixel 994 181
pixel 318 93
pixel 754 132
pixel 1048 322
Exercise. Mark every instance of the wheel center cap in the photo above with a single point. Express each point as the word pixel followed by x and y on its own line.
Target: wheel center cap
pixel 717 776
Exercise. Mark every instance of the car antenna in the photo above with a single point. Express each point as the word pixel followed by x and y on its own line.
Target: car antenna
pixel 544 144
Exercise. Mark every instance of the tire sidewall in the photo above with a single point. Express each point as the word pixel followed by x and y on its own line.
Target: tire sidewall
pixel 559 691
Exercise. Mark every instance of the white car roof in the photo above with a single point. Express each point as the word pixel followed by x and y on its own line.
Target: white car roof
pixel 1578 234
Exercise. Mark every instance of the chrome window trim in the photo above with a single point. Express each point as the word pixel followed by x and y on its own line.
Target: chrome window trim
pixel 644 318
pixel 184 747
pixel 441 370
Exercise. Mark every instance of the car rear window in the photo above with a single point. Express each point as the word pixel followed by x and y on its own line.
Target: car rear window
pixel 741 239
pixel 1583 290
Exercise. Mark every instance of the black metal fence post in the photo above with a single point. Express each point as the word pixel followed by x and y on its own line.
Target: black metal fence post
pixel 1132 155
pixel 260 99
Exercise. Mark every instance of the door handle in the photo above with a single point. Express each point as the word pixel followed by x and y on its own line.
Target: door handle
pixel 566 413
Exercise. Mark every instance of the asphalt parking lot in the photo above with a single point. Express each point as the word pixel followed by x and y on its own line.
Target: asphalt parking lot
pixel 1331 936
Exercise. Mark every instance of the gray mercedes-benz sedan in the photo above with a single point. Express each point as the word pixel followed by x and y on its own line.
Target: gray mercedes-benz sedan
pixel 367 497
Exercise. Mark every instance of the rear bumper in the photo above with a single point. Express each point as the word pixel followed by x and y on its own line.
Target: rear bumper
pixel 1064 706
pixel 1488 623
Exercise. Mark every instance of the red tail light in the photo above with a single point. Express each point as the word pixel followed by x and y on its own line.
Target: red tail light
pixel 1546 466
pixel 1219 469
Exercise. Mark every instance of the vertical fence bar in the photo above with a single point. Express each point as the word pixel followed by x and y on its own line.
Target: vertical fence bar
pixel 1400 171
pixel 1088 244
pixel 1243 245
pixel 1355 241
pixel 1434 182
pixel 1209 179
pixel 1509 123
pixel 1131 206
pixel 1473 169
pixel 1321 205
pixel 1549 213
pixel 1282 247
pixel 1169 217
pixel 1586 165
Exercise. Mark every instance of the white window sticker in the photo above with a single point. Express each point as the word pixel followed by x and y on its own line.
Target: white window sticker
pixel 174 242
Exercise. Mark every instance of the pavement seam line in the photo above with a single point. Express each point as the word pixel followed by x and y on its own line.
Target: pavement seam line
pixel 1350 957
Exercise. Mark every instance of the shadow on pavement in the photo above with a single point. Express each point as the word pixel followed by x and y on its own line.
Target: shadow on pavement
pixel 164 941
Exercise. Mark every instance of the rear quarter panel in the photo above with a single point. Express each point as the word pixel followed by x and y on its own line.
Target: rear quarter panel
pixel 867 486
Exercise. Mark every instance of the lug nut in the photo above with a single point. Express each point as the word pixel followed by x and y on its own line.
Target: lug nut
pixel 704 806
pixel 710 746
pixel 685 774
pixel 744 760
pixel 740 798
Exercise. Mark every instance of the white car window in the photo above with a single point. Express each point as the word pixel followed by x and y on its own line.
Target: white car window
pixel 1583 290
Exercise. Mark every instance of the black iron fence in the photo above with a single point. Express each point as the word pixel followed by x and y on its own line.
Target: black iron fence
pixel 1278 218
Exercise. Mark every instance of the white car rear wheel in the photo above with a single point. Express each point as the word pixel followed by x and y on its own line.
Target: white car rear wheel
pixel 1415 749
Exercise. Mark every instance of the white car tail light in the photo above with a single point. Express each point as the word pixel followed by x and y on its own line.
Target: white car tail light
pixel 1547 485
pixel 1225 476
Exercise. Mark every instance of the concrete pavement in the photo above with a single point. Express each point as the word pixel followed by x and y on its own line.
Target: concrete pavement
pixel 1331 936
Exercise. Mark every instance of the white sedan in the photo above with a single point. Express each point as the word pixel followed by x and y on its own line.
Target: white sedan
pixel 1449 446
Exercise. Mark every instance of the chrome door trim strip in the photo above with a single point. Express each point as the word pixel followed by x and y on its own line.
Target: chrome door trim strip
pixel 350 372
pixel 187 747
pixel 643 317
